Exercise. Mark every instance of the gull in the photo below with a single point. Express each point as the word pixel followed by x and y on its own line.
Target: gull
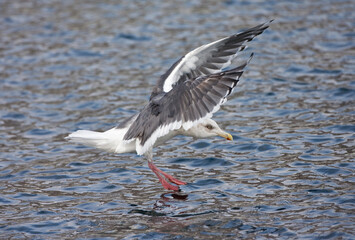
pixel 182 103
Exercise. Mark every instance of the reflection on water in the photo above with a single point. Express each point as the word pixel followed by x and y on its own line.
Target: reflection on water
pixel 288 174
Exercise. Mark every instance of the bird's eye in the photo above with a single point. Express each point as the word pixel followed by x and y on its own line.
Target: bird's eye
pixel 209 126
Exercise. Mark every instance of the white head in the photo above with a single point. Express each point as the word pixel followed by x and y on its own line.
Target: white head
pixel 207 128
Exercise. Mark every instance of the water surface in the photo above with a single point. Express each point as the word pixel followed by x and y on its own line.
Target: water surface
pixel 68 65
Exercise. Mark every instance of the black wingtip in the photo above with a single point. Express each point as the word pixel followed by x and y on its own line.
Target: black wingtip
pixel 238 68
pixel 267 24
pixel 251 56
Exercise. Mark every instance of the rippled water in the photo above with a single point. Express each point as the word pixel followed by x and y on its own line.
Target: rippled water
pixel 68 65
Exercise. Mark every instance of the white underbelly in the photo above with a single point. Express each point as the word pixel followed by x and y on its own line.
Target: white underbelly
pixel 130 146
pixel 165 138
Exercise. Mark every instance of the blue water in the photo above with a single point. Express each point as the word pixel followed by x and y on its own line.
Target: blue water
pixel 288 174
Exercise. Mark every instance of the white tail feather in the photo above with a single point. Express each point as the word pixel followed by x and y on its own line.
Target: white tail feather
pixel 111 140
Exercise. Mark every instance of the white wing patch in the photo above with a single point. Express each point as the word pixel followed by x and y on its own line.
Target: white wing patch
pixel 187 64
pixel 159 132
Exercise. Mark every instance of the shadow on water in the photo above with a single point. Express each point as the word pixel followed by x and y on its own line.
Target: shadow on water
pixel 209 224
pixel 162 203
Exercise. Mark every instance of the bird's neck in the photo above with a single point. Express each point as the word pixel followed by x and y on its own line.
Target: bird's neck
pixel 194 132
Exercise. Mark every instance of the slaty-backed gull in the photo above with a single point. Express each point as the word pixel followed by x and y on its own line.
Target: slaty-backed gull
pixel 182 103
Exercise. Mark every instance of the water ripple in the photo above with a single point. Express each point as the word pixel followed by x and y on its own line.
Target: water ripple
pixel 288 174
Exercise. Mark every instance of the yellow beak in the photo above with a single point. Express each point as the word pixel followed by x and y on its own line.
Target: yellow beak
pixel 225 135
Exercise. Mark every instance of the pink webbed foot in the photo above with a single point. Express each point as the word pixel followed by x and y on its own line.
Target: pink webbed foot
pixel 162 180
pixel 171 178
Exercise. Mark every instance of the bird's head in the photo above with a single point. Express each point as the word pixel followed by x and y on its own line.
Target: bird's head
pixel 209 128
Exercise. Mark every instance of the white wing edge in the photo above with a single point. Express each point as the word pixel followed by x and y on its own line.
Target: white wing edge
pixel 187 63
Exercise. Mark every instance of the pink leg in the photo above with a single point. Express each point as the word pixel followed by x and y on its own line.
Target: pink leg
pixel 165 184
pixel 171 178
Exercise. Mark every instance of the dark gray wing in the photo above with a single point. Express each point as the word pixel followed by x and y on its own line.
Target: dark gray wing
pixel 207 59
pixel 187 104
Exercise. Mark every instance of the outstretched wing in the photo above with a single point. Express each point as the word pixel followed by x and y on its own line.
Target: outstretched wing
pixel 207 59
pixel 187 104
